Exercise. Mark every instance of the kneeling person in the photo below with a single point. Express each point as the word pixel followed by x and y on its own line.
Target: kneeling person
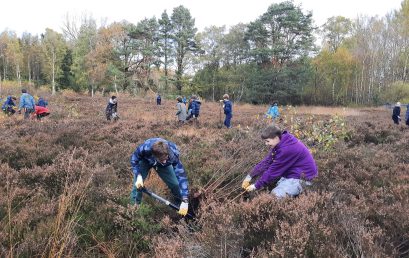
pixel 8 105
pixel 164 157
pixel 41 112
pixel 288 160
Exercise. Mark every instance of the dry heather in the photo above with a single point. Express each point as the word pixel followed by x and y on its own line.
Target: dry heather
pixel 66 181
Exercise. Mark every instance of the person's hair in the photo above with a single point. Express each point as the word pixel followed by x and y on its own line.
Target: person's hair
pixel 194 97
pixel 23 91
pixel 271 132
pixel 179 99
pixel 226 96
pixel 13 98
pixel 160 150
pixel 113 97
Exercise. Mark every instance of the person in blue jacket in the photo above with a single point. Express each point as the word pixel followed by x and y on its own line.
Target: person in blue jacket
pixel 8 105
pixel 163 156
pixel 27 103
pixel 42 102
pixel 228 110
pixel 184 100
pixel 194 108
pixel 158 99
pixel 273 112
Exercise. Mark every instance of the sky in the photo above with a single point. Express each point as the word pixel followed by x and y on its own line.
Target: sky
pixel 35 16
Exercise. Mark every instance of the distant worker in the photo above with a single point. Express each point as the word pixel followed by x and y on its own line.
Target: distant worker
pixel 163 156
pixel 273 112
pixel 407 115
pixel 181 110
pixel 228 110
pixel 27 104
pixel 194 108
pixel 289 161
pixel 396 113
pixel 158 99
pixel 8 106
pixel 41 112
pixel 112 109
pixel 42 103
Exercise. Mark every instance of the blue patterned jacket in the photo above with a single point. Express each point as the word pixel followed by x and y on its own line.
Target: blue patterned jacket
pixel 26 101
pixel 144 151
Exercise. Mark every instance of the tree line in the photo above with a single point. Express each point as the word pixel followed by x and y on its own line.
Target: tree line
pixel 275 57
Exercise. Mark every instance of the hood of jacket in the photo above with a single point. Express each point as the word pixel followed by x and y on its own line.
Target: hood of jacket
pixel 286 140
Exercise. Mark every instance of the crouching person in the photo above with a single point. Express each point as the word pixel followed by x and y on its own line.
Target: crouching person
pixel 41 112
pixel 8 105
pixel 288 160
pixel 163 156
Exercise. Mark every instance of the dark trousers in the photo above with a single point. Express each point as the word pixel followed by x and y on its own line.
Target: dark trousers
pixel 28 112
pixel 395 119
pixel 9 111
pixel 39 116
pixel 227 120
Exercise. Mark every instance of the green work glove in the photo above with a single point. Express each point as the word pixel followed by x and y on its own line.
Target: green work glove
pixel 139 182
pixel 246 182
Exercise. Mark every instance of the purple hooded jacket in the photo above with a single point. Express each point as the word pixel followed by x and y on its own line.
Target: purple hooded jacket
pixel 289 159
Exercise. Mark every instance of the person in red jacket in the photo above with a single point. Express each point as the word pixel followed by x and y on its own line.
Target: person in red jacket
pixel 41 112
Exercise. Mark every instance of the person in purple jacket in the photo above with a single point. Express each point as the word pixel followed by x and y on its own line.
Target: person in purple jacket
pixel 288 160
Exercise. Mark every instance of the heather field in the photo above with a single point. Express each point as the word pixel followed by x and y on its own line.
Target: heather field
pixel 65 183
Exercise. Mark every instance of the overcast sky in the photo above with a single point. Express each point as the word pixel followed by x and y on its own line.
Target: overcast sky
pixel 35 15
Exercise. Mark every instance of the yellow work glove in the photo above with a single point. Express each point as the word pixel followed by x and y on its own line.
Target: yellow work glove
pixel 246 182
pixel 183 208
pixel 139 182
pixel 251 188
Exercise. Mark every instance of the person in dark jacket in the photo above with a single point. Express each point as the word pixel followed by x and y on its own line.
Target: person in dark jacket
pixel 396 113
pixel 407 115
pixel 42 103
pixel 194 108
pixel 288 160
pixel 228 110
pixel 163 156
pixel 112 109
pixel 158 99
pixel 8 105
pixel 27 104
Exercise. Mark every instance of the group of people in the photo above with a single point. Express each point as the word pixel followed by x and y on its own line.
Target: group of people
pixel 289 166
pixel 27 105
pixel 396 114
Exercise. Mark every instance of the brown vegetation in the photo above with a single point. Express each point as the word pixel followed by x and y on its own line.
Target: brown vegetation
pixel 66 181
